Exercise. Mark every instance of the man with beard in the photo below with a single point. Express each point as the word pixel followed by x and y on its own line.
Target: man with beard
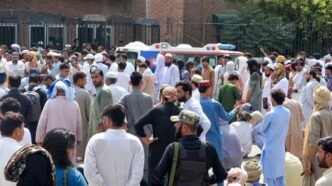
pixel 171 74
pixel 306 96
pixel 299 80
pixel 99 100
pixel 82 97
pixel 324 156
pixel 195 158
pixel 254 95
pixel 162 127
pixel 319 126
pixel 16 66
pixel 184 93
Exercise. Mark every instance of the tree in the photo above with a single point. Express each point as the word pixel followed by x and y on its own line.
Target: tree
pixel 250 29
pixel 313 20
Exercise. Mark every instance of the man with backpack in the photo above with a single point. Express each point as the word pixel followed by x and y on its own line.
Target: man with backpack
pixel 38 99
pixel 188 161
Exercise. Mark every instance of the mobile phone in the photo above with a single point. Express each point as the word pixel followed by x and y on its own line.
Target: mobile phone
pixel 265 103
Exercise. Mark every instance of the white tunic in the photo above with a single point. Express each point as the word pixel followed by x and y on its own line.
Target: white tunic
pixel 117 93
pixel 129 68
pixel 8 147
pixel 123 80
pixel 114 157
pixel 307 100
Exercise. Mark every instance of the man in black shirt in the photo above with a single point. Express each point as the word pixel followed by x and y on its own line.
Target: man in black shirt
pixel 162 127
pixel 195 158
pixel 14 82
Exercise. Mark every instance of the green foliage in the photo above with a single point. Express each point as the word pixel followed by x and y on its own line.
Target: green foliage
pixel 250 29
pixel 312 20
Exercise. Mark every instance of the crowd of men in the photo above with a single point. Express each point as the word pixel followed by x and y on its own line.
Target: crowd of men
pixel 180 123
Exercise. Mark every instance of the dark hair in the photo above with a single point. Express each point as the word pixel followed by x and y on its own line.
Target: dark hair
pixel 232 77
pixel 197 59
pixel 180 64
pixel 314 75
pixel 186 86
pixel 202 89
pixel 61 59
pixel 328 67
pixel 56 142
pixel 49 77
pixel 220 56
pixel 64 66
pixel 122 65
pixel 10 105
pixel 34 79
pixel 317 56
pixel 278 95
pixel 251 64
pixel 112 57
pixel 115 113
pixel 14 81
pixel 101 46
pixel 136 78
pixel 300 61
pixel 326 144
pixel 143 65
pixel 205 58
pixel 244 116
pixel 123 55
pixel 77 76
pixel 10 122
pixel 189 64
pixel 96 70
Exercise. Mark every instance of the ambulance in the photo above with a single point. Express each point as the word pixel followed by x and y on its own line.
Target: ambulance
pixel 182 52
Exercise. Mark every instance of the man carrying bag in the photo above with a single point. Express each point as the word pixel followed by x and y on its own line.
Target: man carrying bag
pixel 187 162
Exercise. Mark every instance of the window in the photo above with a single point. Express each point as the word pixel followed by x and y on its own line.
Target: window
pixel 55 36
pixel 94 33
pixel 51 35
pixel 8 33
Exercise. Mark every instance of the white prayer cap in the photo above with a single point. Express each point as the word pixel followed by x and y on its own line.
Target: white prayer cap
pixel 25 51
pixel 271 66
pixel 72 56
pixel 52 53
pixel 169 55
pixel 141 58
pixel 15 45
pixel 89 57
pixel 288 62
pixel 267 59
pixel 99 57
pixel 327 57
pixel 111 74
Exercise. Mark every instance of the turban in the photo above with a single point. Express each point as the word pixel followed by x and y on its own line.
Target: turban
pixel 322 97
pixel 281 59
pixel 256 117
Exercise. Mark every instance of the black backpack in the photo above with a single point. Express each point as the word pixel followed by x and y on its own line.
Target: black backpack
pixel 36 107
pixel 192 167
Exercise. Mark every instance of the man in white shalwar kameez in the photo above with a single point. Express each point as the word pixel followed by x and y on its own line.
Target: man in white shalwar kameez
pixel 306 97
pixel 171 73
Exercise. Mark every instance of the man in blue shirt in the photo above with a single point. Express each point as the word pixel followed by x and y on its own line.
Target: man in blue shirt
pixel 275 129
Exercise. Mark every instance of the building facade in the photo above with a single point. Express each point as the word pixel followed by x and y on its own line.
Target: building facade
pixel 109 22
